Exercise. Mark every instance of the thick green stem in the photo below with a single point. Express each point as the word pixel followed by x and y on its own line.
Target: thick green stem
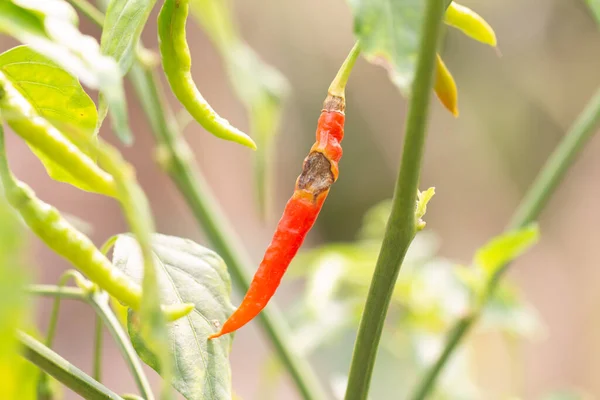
pixel 531 206
pixel 175 156
pixel 401 227
pixel 63 371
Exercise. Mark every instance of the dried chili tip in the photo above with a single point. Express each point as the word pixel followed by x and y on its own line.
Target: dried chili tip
pixel 445 87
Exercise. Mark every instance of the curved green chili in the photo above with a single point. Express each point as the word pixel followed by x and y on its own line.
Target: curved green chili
pixel 40 134
pixel 177 63
pixel 47 223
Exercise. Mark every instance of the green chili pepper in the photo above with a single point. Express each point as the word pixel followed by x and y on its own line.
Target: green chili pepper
pixel 471 23
pixel 177 63
pixel 47 223
pixel 43 136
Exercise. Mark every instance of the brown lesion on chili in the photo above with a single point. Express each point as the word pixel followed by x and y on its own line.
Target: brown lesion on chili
pixel 334 103
pixel 316 176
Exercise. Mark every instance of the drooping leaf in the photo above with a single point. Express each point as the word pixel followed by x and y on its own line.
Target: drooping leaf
pixel 258 85
pixel 595 6
pixel 187 273
pixel 51 29
pixel 123 25
pixel 505 248
pixel 57 96
pixel 17 377
pixel 388 31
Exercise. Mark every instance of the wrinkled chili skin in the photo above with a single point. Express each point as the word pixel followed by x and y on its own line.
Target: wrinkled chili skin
pixel 300 214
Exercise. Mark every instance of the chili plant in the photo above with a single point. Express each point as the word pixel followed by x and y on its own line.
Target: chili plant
pixel 166 300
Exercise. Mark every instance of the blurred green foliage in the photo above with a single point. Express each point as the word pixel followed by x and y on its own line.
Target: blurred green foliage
pixel 17 376
pixel 430 295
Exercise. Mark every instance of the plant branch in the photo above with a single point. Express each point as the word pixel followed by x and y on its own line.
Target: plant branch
pixel 177 160
pixel 99 302
pixel 103 310
pixel 71 293
pixel 97 370
pixel 542 189
pixel 401 225
pixel 63 371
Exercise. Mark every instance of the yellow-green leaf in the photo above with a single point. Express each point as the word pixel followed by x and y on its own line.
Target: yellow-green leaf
pixel 51 29
pixel 57 96
pixel 505 248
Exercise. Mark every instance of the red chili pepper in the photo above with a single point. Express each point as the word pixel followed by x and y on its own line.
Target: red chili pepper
pixel 320 170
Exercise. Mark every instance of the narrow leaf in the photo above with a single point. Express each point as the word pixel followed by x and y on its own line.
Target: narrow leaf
pixel 123 25
pixel 186 273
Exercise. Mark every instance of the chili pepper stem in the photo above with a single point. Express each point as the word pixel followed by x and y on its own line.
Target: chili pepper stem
pixel 338 85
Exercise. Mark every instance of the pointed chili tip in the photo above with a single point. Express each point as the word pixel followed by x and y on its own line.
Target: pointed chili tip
pixel 177 311
pixel 215 335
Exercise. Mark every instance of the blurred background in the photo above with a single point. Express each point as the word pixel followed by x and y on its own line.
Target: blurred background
pixel 514 110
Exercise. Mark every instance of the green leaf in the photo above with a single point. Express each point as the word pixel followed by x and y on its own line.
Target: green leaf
pixel 123 25
pixel 17 377
pixel 51 30
pixel 187 273
pixel 505 248
pixel 258 85
pixel 595 6
pixel 57 96
pixel 388 31
pixel 423 199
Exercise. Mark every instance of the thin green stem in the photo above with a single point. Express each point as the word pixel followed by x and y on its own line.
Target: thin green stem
pixel 98 302
pixel 109 244
pixel 70 293
pixel 63 371
pixel 97 366
pixel 557 165
pixel 401 226
pixel 456 333
pixel 542 189
pixel 43 388
pixel 70 274
pixel 176 158
pixel 338 85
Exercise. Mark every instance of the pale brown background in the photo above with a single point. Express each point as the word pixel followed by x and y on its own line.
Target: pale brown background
pixel 514 109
